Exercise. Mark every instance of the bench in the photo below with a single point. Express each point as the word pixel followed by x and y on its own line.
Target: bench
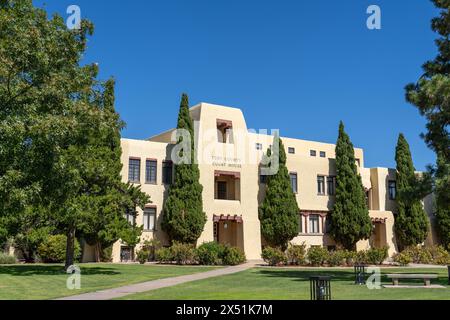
pixel 425 277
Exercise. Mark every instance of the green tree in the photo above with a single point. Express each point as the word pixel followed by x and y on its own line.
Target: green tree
pixel 411 221
pixel 350 221
pixel 279 212
pixel 431 96
pixel 183 216
pixel 59 133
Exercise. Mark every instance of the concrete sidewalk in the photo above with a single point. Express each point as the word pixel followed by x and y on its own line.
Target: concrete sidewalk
pixel 157 284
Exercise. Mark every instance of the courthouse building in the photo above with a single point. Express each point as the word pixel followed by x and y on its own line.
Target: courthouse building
pixel 229 156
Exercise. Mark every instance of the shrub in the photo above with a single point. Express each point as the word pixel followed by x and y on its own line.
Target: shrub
pixel 317 256
pixel 439 255
pixel 376 255
pixel 273 256
pixel 233 256
pixel 7 259
pixel 164 255
pixel 402 258
pixel 337 258
pixel 360 257
pixel 349 256
pixel 106 254
pixel 53 249
pixel 142 256
pixel 296 254
pixel 183 253
pixel 210 253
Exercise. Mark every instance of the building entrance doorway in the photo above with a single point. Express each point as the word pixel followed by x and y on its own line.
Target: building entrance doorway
pixel 378 238
pixel 228 230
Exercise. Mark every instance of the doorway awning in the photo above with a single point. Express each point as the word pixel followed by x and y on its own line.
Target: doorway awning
pixel 236 175
pixel 228 217
pixel 379 220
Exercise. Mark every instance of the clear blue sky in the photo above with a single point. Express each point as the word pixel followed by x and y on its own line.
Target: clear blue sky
pixel 300 66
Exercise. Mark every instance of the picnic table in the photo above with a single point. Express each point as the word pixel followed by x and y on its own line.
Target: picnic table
pixel 425 277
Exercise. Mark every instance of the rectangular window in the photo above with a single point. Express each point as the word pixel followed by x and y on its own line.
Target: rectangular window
pixel 263 178
pixel 331 185
pixel 392 189
pixel 130 218
pixel 224 131
pixel 293 176
pixel 313 223
pixel 134 170
pixel 323 154
pixel 149 219
pixel 291 150
pixel 258 146
pixel 167 168
pixel 222 190
pixel 320 185
pixel 312 153
pixel 358 162
pixel 300 224
pixel 150 171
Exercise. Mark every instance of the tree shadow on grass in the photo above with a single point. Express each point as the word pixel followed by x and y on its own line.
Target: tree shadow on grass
pixel 342 275
pixel 30 270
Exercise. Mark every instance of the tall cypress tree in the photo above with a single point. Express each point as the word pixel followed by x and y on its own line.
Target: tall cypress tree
pixel 279 212
pixel 184 218
pixel 411 222
pixel 350 221
pixel 430 95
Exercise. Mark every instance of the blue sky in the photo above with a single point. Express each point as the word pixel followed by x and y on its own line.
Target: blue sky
pixel 300 66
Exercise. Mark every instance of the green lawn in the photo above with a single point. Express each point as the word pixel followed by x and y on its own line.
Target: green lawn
pixel 281 283
pixel 47 281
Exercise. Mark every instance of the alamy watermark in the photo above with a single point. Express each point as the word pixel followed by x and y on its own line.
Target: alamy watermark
pixel 374 20
pixel 74 280
pixel 74 19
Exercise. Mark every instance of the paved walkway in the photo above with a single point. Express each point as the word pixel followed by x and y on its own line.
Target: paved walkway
pixel 157 284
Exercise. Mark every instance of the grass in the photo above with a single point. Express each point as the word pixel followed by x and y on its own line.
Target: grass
pixel 47 281
pixel 285 283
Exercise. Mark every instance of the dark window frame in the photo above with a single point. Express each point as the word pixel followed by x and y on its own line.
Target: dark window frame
pixel 167 175
pixel 148 174
pixel 321 185
pixel 132 170
pixel 331 181
pixel 392 195
pixel 291 150
pixel 153 213
pixel 222 193
pixel 291 175
pixel 322 154
pixel 311 225
pixel 313 153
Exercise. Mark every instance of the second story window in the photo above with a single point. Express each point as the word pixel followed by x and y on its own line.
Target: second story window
pixel 167 168
pixel 331 185
pixel 293 176
pixel 258 146
pixel 131 218
pixel 323 154
pixel 358 162
pixel 134 170
pixel 320 185
pixel 313 223
pixel 291 150
pixel 300 224
pixel 392 186
pixel 312 153
pixel 150 171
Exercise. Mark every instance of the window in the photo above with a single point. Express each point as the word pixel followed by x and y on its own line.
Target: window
pixel 331 185
pixel 263 178
pixel 167 172
pixel 258 146
pixel 320 185
pixel 293 176
pixel 222 190
pixel 224 131
pixel 291 150
pixel 358 162
pixel 149 218
pixel 323 154
pixel 300 224
pixel 131 218
pixel 134 170
pixel 312 153
pixel 150 171
pixel 313 223
pixel 392 185
pixel 327 225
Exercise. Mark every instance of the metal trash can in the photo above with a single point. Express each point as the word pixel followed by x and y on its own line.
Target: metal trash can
pixel 360 274
pixel 320 287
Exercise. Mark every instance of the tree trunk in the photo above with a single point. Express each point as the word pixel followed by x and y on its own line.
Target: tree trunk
pixel 98 250
pixel 70 248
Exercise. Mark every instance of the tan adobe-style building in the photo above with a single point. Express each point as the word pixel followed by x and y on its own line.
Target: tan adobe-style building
pixel 229 156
